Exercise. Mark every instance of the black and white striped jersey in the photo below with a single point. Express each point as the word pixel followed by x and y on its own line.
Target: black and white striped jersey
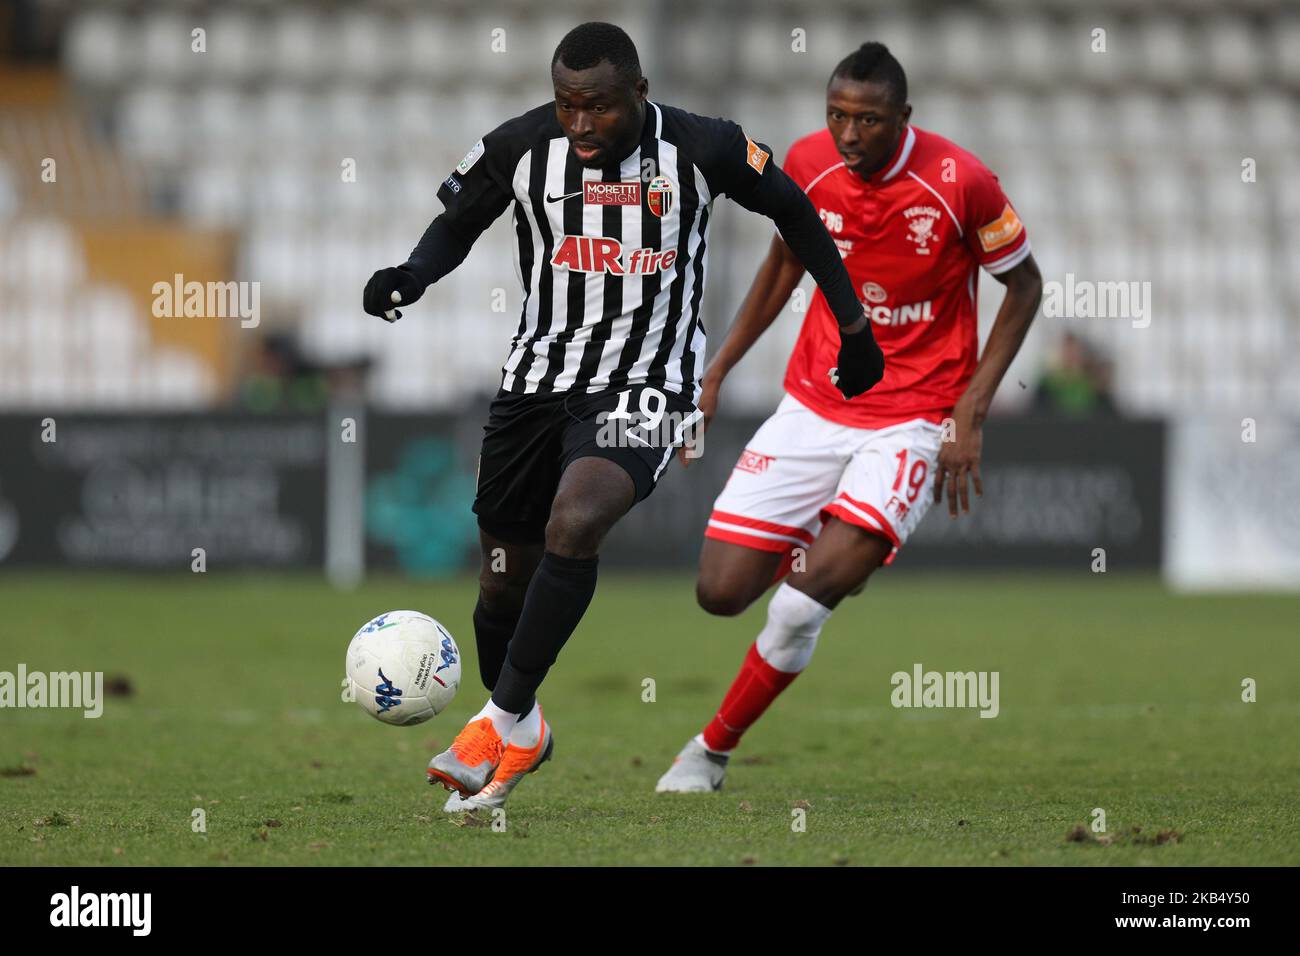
pixel 613 261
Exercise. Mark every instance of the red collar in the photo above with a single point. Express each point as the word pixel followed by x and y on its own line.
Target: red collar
pixel 897 162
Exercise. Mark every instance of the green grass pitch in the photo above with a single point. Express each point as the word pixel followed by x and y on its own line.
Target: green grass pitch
pixel 1114 695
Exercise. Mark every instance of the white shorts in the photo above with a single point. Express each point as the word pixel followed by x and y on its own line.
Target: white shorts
pixel 800 469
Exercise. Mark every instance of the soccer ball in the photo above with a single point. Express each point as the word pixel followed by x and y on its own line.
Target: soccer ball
pixel 403 667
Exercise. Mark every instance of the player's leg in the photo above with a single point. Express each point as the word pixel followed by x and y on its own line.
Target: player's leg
pixel 593 494
pixel 517 475
pixel 505 569
pixel 839 561
pixel 612 457
pixel 734 576
pixel 877 506
pixel 761 526
pixel 597 485
pixel 769 506
pixel 509 558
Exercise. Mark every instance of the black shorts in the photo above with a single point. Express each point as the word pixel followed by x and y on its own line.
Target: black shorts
pixel 531 438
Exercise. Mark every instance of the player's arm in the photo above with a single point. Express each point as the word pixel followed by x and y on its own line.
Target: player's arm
pixel 771 289
pixel 473 196
pixel 961 457
pixel 776 279
pixel 745 172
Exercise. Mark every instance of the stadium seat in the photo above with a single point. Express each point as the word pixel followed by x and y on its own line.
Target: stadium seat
pixel 367 44
pixel 166 52
pixel 1232 50
pixel 1166 50
pixel 1284 34
pixel 237 47
pixel 304 46
pixel 1030 58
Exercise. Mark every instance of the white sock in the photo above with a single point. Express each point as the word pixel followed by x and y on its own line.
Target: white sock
pixel 794 620
pixel 503 721
pixel 528 731
pixel 699 739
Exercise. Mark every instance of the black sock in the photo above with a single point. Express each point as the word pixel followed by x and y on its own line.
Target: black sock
pixel 557 598
pixel 493 629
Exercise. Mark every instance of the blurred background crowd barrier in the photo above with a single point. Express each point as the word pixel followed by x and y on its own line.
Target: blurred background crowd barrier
pixel 288 149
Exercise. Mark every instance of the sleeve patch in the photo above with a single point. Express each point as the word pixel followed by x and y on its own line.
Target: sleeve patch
pixel 471 158
pixel 756 156
pixel 1001 231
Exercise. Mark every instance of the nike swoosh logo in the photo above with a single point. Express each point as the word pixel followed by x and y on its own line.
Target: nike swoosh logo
pixel 550 198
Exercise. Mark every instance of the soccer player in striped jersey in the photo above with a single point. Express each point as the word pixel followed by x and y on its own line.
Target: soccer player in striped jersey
pixel 611 197
pixel 828 488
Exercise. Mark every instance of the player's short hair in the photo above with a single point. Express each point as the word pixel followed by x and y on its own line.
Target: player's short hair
pixel 587 44
pixel 873 63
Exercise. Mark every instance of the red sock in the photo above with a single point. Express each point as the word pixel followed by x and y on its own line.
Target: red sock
pixel 754 688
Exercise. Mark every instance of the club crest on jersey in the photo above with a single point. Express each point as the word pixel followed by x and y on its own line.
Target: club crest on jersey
pixel 602 254
pixel 659 196
pixel 920 227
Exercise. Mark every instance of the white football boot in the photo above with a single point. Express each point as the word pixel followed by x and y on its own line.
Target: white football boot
pixel 696 770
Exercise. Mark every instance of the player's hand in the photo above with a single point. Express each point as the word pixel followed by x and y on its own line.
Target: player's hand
pixel 959 458
pixel 710 385
pixel 861 363
pixel 390 287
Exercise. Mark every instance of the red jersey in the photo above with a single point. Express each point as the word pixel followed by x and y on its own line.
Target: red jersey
pixel 913 238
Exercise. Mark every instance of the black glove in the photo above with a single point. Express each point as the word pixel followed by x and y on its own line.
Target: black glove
pixel 378 297
pixel 862 364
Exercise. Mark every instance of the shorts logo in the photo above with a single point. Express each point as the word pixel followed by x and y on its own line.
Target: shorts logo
pixel 874 293
pixel 755 155
pixel 611 194
pixel 920 227
pixel 1001 231
pixel 602 254
pixel 753 462
pixel 659 196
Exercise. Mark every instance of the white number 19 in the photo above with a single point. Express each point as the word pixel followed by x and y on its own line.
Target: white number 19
pixel 653 416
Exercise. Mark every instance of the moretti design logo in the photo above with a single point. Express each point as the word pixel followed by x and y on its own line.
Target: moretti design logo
pixel 659 196
pixel 611 194
pixel 386 695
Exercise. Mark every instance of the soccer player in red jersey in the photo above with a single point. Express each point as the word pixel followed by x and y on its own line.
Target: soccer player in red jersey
pixel 834 486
